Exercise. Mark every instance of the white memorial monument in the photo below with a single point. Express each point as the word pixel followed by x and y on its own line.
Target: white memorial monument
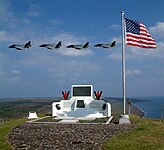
pixel 82 103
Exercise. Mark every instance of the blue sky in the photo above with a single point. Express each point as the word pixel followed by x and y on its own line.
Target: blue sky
pixel 38 72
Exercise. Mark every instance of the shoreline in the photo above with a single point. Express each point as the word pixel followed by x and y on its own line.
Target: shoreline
pixel 135 110
pixel 141 111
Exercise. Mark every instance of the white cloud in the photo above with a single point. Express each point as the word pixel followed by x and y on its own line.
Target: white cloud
pixel 115 26
pixel 3 36
pixel 56 22
pixel 6 14
pixel 163 72
pixel 73 70
pixel 158 29
pixel 6 37
pixel 34 10
pixel 117 39
pixel 73 52
pixel 115 56
pixel 10 77
pixel 160 70
pixel 9 17
pixel 13 79
pixel 133 72
pixel 15 72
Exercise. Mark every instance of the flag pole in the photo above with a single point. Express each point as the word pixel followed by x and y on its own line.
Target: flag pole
pixel 123 64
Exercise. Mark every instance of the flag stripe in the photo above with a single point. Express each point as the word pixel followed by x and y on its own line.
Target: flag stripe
pixel 139 45
pixel 138 35
pixel 139 41
pixel 128 35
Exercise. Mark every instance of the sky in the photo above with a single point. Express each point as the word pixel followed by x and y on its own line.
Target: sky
pixel 39 72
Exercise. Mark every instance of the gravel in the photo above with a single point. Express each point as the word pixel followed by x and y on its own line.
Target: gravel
pixel 39 136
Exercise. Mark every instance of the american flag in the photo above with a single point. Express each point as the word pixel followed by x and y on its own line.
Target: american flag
pixel 138 35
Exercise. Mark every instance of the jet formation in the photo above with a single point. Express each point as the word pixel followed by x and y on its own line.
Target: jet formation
pixel 59 45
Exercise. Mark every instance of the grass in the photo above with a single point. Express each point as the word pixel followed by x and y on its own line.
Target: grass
pixel 5 129
pixel 149 135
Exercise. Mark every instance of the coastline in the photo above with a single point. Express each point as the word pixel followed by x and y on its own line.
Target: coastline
pixel 135 110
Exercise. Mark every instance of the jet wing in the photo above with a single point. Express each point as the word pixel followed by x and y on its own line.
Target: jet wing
pixel 102 45
pixel 43 45
pixel 18 48
pixel 12 46
pixel 98 45
pixel 78 48
pixel 71 46
pixel 105 46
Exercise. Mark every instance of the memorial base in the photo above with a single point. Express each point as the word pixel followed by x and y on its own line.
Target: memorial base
pixel 124 119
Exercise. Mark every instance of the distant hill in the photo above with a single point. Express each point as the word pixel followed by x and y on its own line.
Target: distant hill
pixel 19 107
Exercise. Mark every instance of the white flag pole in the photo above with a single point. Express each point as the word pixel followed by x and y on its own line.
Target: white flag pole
pixel 123 64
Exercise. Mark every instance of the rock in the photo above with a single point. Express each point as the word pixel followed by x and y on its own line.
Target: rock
pixel 34 136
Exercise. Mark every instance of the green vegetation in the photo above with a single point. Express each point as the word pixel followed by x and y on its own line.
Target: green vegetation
pixel 18 108
pixel 5 129
pixel 149 135
pixel 13 110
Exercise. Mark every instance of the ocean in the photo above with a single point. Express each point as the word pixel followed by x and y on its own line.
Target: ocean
pixel 152 106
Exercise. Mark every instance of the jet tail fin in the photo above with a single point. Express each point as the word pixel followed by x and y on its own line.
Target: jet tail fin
pixel 86 45
pixel 113 44
pixel 58 45
pixel 28 44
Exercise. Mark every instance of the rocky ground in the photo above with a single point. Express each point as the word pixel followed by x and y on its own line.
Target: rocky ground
pixel 35 136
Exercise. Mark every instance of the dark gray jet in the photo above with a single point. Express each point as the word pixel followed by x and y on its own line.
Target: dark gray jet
pixel 107 45
pixel 21 46
pixel 79 46
pixel 51 46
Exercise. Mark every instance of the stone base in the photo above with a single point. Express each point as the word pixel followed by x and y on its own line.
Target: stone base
pixel 69 121
pixel 124 119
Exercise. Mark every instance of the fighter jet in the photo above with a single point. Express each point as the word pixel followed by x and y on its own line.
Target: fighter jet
pixel 107 45
pixel 79 46
pixel 51 46
pixel 21 46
